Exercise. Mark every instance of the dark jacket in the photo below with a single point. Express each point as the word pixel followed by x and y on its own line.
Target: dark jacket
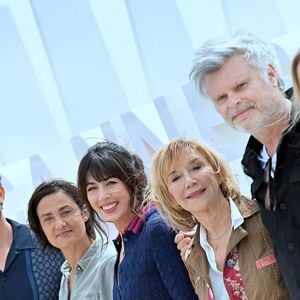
pixel 30 273
pixel 283 224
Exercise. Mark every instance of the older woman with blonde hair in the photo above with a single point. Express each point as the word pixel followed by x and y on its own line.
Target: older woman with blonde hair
pixel 231 255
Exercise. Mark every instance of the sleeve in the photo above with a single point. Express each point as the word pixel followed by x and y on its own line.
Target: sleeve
pixel 169 263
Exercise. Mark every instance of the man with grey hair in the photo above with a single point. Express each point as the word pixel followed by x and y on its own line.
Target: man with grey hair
pixel 27 272
pixel 242 77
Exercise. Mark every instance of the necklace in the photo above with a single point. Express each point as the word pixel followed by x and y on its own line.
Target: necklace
pixel 215 245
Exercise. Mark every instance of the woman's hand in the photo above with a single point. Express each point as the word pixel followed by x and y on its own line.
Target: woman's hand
pixel 183 240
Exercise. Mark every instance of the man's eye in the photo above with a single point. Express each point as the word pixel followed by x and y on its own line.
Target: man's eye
pixel 241 85
pixel 221 98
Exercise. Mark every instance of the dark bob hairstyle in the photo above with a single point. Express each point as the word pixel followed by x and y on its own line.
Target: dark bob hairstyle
pixel 107 159
pixel 50 187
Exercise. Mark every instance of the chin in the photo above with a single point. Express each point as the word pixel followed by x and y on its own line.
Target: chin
pixel 109 220
pixel 242 129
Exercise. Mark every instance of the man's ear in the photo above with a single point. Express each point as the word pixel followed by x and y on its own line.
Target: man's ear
pixel 272 75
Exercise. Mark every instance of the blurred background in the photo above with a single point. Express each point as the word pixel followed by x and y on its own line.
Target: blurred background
pixel 74 72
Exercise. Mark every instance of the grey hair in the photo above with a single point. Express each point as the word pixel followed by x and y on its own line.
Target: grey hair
pixel 213 53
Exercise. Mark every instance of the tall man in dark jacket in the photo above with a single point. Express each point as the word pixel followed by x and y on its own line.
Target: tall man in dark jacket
pixel 27 272
pixel 242 77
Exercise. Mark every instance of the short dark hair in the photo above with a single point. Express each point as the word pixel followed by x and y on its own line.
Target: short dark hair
pixel 50 187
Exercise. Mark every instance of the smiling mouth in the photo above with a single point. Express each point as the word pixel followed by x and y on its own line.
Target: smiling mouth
pixel 61 234
pixel 109 207
pixel 196 193
pixel 240 113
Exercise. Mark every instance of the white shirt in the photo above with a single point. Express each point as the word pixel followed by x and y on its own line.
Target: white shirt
pixel 264 156
pixel 216 276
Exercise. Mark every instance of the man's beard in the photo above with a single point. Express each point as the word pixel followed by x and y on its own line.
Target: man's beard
pixel 262 122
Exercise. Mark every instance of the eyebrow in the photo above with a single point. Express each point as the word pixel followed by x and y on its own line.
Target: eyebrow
pixel 104 179
pixel 170 174
pixel 190 162
pixel 60 209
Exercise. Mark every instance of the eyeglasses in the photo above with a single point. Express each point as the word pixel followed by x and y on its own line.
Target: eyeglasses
pixel 270 201
pixel 63 215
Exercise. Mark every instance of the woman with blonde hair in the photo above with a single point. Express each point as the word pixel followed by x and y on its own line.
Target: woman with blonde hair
pixel 231 255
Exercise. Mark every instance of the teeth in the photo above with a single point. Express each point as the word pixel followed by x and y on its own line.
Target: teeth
pixel 109 206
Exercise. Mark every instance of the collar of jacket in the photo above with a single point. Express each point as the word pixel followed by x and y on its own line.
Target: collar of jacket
pixel 196 257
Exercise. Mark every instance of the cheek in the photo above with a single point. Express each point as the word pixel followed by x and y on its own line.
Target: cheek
pixel 91 198
pixel 93 202
pixel 47 233
pixel 174 190
pixel 123 196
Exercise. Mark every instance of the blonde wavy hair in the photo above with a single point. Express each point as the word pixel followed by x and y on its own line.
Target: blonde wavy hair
pixel 159 194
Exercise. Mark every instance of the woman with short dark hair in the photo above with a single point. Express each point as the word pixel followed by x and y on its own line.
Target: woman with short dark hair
pixel 60 219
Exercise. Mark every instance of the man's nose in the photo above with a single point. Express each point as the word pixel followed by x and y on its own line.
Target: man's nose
pixel 233 100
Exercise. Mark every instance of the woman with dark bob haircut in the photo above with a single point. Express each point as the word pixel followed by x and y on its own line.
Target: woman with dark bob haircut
pixel 112 181
pixel 60 219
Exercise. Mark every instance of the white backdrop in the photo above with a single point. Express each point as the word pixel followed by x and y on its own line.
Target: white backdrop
pixel 74 72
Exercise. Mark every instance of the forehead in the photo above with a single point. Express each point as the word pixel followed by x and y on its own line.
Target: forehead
pixel 232 72
pixel 92 178
pixel 54 202
pixel 185 156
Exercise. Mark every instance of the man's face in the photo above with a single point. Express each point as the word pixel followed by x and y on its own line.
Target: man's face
pixel 246 100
